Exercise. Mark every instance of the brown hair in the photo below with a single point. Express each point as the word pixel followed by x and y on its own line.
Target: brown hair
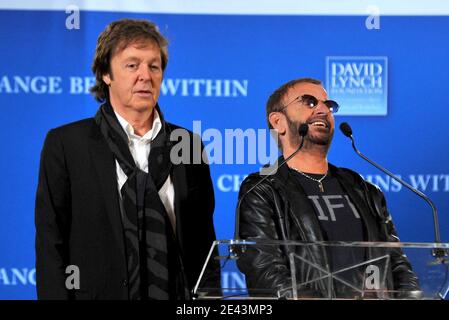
pixel 274 102
pixel 117 36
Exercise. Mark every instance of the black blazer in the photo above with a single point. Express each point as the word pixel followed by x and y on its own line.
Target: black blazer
pixel 78 215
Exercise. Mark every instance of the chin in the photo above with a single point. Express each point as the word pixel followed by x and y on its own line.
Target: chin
pixel 322 140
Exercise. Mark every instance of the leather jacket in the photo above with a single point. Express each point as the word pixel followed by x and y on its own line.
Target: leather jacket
pixel 278 209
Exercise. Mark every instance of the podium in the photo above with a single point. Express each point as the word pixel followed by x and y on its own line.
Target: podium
pixel 269 269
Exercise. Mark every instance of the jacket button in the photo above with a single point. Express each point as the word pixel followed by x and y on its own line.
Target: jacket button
pixel 125 282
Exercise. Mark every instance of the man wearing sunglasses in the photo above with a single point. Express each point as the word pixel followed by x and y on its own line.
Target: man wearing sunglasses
pixel 309 199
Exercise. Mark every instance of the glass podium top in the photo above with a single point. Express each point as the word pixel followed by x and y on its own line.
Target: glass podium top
pixel 271 269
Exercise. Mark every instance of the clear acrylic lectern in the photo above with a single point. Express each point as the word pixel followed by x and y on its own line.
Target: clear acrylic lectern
pixel 268 269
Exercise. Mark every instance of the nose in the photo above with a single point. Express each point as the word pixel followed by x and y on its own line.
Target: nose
pixel 321 108
pixel 144 73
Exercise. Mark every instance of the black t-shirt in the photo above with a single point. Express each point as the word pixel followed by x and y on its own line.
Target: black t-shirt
pixel 338 218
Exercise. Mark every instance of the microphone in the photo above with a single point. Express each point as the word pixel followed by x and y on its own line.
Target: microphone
pixel 303 128
pixel 438 253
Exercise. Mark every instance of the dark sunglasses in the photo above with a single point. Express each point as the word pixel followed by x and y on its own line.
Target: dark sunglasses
pixel 311 102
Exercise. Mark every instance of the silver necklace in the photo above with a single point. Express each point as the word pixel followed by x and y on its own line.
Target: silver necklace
pixel 320 180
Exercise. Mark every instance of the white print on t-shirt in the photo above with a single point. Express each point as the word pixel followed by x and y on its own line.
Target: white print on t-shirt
pixel 332 206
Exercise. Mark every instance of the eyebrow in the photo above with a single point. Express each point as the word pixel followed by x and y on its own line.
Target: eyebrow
pixel 131 59
pixel 134 58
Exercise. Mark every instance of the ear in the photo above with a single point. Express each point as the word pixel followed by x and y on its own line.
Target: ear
pixel 278 122
pixel 107 79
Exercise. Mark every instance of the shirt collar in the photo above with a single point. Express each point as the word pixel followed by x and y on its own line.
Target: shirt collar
pixel 149 136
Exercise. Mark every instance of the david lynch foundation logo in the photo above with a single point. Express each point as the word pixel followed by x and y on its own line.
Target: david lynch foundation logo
pixel 359 84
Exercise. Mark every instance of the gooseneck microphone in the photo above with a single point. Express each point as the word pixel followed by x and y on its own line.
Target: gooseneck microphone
pixel 303 128
pixel 438 253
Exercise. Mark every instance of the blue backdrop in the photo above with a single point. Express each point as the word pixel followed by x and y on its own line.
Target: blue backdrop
pixel 43 66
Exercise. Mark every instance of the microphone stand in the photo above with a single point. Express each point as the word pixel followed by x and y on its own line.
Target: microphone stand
pixel 438 253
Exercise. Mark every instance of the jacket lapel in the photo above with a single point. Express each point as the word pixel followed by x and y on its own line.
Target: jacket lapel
pixel 104 164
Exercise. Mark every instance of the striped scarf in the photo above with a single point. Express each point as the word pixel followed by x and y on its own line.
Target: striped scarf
pixel 153 258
